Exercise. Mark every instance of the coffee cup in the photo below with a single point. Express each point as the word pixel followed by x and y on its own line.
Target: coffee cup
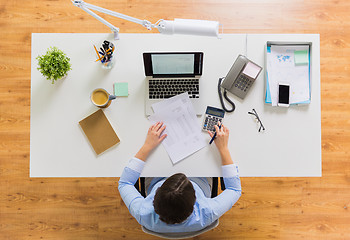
pixel 101 98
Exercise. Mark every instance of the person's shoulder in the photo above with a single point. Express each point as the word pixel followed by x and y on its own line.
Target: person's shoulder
pixel 203 207
pixel 149 218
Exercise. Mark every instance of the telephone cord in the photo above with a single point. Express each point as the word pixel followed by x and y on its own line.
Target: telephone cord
pixel 226 97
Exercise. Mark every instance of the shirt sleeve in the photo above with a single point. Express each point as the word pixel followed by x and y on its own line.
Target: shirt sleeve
pixel 131 197
pixel 224 201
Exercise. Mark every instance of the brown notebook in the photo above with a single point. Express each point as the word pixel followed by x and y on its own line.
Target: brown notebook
pixel 99 131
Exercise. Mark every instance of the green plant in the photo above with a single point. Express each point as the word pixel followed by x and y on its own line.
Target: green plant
pixel 54 64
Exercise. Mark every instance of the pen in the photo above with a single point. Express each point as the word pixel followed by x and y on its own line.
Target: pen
pixel 212 139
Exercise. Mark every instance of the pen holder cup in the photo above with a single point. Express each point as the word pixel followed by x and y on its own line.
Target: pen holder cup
pixel 108 64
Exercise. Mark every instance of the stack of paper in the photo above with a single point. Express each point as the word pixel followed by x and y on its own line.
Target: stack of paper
pixel 184 135
pixel 288 64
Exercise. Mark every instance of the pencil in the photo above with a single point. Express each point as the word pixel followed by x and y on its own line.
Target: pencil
pixel 98 59
pixel 98 55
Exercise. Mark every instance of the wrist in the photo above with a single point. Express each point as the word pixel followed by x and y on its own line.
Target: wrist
pixel 143 153
pixel 224 151
pixel 225 157
pixel 146 148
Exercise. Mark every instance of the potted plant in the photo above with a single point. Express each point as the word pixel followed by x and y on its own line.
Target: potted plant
pixel 54 64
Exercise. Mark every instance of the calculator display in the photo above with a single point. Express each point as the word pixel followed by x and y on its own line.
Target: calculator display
pixel 215 112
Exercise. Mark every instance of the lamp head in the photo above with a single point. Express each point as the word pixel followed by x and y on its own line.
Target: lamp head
pixel 189 27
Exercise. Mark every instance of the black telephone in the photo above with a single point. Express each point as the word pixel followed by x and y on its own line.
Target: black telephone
pixel 239 80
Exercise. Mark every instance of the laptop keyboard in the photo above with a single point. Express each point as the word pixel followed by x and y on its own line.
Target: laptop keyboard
pixel 166 88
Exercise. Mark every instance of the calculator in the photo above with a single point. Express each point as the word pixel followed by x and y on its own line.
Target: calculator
pixel 212 117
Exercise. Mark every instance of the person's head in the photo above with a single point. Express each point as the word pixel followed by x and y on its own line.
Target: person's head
pixel 175 199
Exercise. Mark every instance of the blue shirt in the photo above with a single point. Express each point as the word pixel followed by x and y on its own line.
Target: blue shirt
pixel 205 211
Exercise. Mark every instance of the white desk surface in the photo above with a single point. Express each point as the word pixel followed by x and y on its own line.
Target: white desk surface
pixel 290 146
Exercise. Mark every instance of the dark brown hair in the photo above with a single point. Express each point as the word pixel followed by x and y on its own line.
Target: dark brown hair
pixel 174 200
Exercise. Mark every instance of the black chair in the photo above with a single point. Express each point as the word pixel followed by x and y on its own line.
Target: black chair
pixel 140 186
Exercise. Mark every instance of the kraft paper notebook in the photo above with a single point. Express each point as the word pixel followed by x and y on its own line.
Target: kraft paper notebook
pixel 99 131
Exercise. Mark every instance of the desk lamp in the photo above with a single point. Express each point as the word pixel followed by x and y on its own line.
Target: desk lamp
pixel 178 26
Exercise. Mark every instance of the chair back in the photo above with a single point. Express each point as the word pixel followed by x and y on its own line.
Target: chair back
pixel 183 234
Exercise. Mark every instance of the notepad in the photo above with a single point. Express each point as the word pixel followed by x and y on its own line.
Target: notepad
pixel 99 132
pixel 121 89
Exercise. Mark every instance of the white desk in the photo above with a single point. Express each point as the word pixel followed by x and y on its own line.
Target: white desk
pixel 59 148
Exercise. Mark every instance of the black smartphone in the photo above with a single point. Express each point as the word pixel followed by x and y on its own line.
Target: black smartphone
pixel 283 94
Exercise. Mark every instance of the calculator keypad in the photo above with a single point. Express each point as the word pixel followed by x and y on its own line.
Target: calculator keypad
pixel 210 121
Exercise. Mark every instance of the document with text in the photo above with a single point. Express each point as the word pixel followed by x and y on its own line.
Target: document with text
pixel 184 135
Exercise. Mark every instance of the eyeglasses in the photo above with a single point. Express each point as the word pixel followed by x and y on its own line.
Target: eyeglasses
pixel 253 112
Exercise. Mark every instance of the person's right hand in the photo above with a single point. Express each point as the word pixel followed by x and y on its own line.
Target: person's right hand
pixel 221 142
pixel 221 139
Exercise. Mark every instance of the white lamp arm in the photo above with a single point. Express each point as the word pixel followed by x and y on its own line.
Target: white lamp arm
pixel 178 26
pixel 86 7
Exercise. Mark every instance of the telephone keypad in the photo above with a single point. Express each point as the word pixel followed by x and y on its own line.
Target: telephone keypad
pixel 243 83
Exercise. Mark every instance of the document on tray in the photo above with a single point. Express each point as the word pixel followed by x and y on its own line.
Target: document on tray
pixel 184 135
pixel 282 67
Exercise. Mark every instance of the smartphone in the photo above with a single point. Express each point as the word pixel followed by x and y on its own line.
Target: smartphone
pixel 283 94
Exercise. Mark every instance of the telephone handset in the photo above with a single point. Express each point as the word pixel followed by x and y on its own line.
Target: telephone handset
pixel 239 80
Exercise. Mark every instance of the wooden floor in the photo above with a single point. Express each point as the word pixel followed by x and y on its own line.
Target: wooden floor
pixel 91 208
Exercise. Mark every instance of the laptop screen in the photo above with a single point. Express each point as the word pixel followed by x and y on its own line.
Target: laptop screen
pixel 180 64
pixel 172 63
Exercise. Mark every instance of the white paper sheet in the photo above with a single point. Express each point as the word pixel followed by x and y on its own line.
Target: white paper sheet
pixel 282 69
pixel 184 136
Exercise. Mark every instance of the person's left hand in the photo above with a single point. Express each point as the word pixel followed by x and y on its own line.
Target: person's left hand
pixel 154 137
pixel 152 140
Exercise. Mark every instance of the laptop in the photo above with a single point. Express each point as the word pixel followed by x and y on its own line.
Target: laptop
pixel 172 73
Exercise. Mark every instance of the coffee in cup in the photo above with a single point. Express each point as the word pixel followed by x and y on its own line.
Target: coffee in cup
pixel 100 97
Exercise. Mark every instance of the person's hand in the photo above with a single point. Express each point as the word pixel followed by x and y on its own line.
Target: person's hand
pixel 222 135
pixel 153 139
pixel 221 142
